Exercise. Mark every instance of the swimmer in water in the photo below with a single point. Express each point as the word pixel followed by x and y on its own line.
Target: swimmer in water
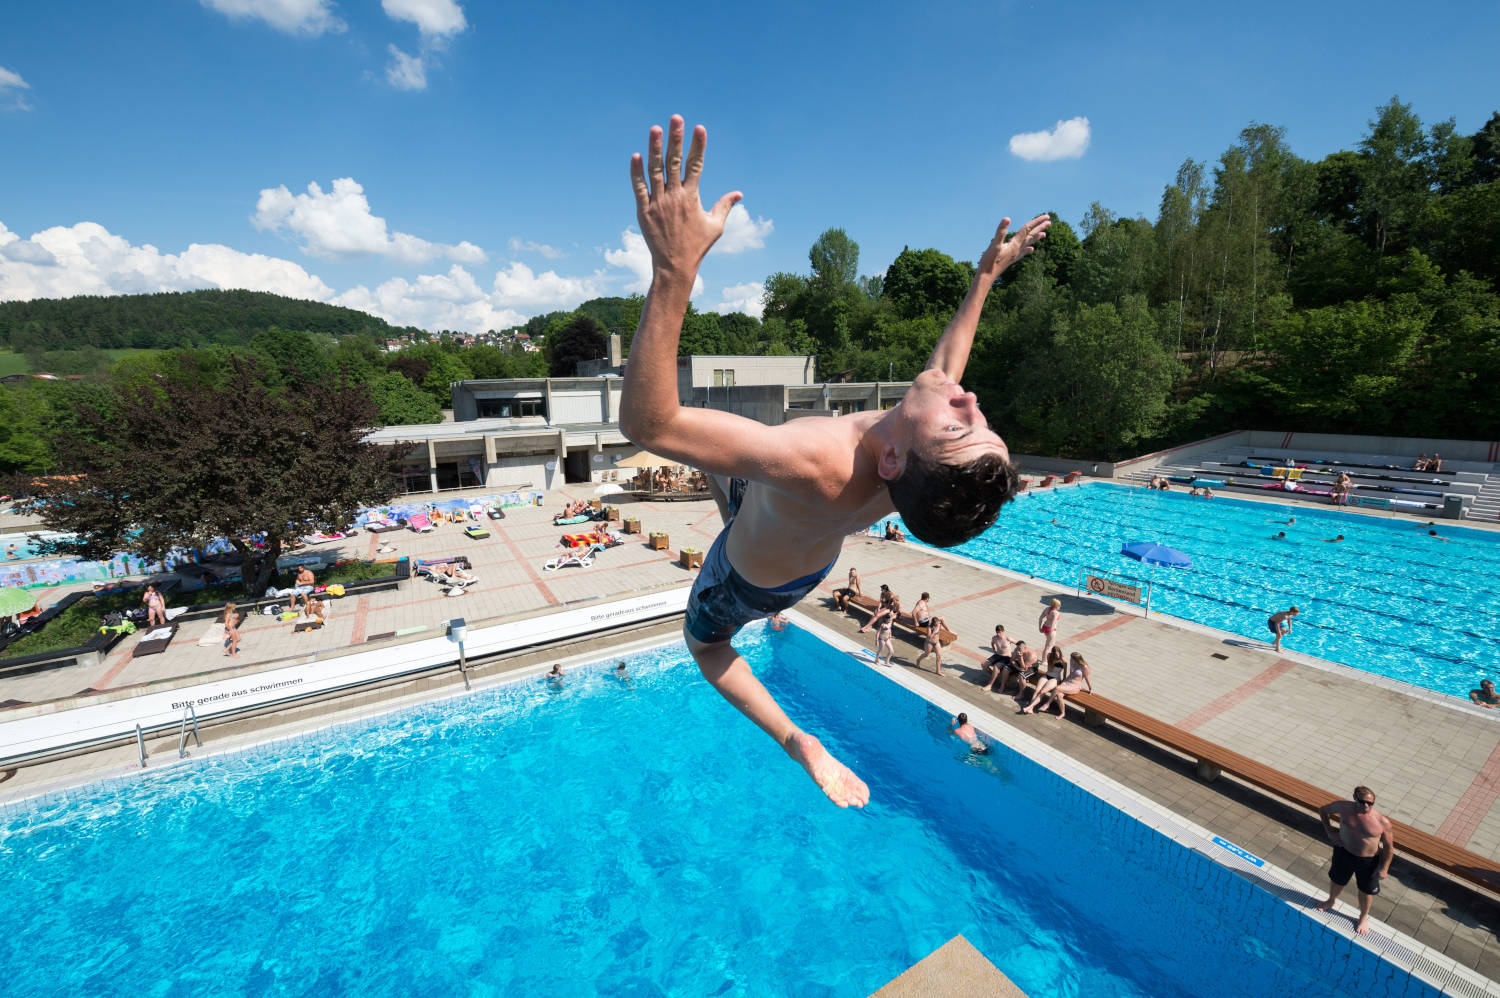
pixel 964 730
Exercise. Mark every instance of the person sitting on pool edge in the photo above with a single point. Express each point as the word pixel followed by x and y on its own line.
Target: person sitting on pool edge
pixel 1485 696
pixel 795 490
pixel 893 532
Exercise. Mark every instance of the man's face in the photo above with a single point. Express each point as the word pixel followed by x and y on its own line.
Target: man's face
pixel 944 422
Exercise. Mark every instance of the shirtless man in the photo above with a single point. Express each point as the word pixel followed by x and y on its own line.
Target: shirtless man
pixel 1000 651
pixel 1281 625
pixel 1363 843
pixel 964 730
pixel 841 596
pixel 1022 662
pixel 797 489
pixel 1485 696
pixel 921 612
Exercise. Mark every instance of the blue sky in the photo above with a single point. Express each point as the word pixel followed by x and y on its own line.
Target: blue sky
pixel 471 158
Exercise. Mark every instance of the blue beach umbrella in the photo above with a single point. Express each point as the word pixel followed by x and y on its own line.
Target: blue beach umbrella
pixel 1156 554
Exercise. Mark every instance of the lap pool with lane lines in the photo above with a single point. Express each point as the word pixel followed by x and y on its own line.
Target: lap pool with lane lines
pixel 1388 599
pixel 641 839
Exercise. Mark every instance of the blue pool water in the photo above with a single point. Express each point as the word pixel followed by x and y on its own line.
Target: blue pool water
pixel 640 840
pixel 1388 599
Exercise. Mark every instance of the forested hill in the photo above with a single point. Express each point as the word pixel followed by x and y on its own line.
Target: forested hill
pixel 170 319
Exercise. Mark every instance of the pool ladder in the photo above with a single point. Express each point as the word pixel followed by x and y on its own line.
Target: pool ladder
pixel 189 717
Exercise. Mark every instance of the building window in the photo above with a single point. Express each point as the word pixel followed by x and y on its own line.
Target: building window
pixel 511 408
pixel 723 378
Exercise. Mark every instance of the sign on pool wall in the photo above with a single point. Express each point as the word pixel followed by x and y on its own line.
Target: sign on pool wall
pixel 1101 586
pixel 1370 502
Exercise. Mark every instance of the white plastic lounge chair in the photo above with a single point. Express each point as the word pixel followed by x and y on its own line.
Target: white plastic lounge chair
pixel 577 557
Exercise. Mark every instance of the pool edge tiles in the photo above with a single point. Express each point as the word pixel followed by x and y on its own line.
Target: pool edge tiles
pixel 300 730
pixel 1405 954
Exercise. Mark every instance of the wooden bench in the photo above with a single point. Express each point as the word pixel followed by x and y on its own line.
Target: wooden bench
pixel 1213 759
pixel 870 605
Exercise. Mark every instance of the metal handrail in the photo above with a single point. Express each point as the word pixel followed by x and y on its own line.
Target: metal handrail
pixel 140 742
pixel 187 714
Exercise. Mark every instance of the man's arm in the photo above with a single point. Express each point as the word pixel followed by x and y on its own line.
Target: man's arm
pixel 951 355
pixel 1387 849
pixel 679 233
pixel 1326 814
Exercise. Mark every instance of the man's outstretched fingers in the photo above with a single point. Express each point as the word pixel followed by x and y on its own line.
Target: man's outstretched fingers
pixel 695 157
pixel 1001 230
pixel 721 207
pixel 674 151
pixel 638 181
pixel 653 159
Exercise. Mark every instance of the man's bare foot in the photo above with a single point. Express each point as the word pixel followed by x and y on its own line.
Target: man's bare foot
pixel 832 777
pixel 1363 926
pixel 1027 710
pixel 1324 905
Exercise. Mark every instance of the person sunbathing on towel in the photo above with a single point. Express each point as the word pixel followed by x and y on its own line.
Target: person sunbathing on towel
pixel 793 492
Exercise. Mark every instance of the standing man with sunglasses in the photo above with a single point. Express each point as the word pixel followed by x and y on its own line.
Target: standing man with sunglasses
pixel 1363 843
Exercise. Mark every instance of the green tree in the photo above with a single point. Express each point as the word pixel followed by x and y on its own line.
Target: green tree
pixel 835 260
pixel 925 282
pixel 579 338
pixel 401 403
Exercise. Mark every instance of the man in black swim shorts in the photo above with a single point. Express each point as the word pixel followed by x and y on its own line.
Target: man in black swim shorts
pixel 1363 843
pixel 933 457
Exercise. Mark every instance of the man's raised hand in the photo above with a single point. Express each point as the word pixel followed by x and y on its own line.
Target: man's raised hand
pixel 1003 252
pixel 677 230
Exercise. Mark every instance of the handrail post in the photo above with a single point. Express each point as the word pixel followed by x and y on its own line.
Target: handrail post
pixel 140 743
pixel 187 713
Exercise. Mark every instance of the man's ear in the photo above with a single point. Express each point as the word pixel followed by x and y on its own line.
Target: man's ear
pixel 892 461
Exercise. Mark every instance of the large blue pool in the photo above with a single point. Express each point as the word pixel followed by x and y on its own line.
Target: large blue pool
pixel 629 840
pixel 1388 599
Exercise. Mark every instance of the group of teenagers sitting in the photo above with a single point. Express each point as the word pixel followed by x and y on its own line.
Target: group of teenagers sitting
pixel 1042 679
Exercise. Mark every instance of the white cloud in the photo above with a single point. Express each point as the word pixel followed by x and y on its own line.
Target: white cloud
pixel 528 246
pixel 295 17
pixel 634 256
pixel 340 224
pixel 88 259
pixel 748 298
pixel 432 302
pixel 405 72
pixel 1067 140
pixel 11 85
pixel 519 287
pixel 741 233
pixel 433 18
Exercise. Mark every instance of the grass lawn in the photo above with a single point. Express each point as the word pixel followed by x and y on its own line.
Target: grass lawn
pixel 75 625
pixel 12 363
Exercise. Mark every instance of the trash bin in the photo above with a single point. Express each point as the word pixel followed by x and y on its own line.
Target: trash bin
pixel 1453 507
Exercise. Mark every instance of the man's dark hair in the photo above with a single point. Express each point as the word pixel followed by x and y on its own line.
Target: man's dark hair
pixel 946 504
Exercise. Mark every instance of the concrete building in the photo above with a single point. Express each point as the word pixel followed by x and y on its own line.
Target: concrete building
pixel 541 433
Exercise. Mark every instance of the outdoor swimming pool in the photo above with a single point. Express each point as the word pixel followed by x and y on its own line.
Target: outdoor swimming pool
pixel 643 840
pixel 1388 599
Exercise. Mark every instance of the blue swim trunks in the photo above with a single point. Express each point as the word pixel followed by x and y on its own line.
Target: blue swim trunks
pixel 722 601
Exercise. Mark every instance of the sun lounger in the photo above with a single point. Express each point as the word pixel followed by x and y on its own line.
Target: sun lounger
pixel 419 523
pixel 576 558
pixel 154 642
pixel 381 526
pixel 476 532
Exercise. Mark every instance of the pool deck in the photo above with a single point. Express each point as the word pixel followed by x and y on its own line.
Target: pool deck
pixel 1433 761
